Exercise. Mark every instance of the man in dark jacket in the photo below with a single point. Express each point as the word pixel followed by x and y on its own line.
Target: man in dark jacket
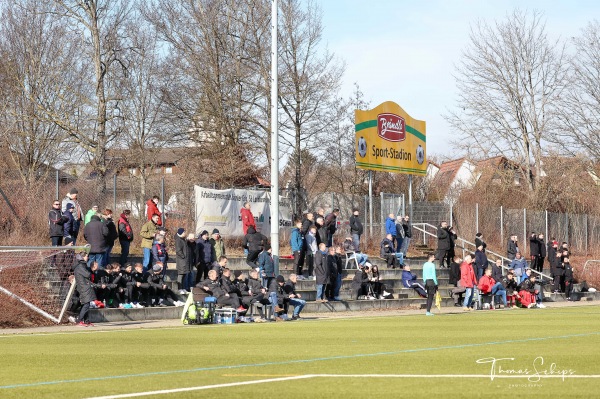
pixel 321 231
pixel 160 293
pixel 83 283
pixel 356 229
pixel 125 235
pixel 331 225
pixel 184 260
pixel 212 286
pixel 56 220
pixel 334 271
pixel 140 288
pixel 257 293
pixel 321 275
pixel 293 297
pixel 407 235
pixel 386 251
pixel 266 266
pixel 481 262
pixel 542 254
pixel 112 234
pixel 497 270
pixel 69 232
pixel 96 233
pixel 277 296
pixel 512 247
pixel 443 246
pixel 204 256
pixel 534 250
pixel 254 242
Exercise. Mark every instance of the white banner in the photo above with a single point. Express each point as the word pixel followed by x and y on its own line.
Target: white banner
pixel 220 209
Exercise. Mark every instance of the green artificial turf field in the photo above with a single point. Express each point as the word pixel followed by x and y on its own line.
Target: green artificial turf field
pixel 399 356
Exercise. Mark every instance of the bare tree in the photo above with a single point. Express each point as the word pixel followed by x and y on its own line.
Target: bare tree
pixel 32 51
pixel 510 80
pixel 308 80
pixel 87 115
pixel 580 113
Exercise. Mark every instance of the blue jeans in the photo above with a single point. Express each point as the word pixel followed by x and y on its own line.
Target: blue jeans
pixel 124 251
pixel 468 297
pixel 400 257
pixel 356 242
pixel 360 258
pixel 99 257
pixel 107 255
pixel 320 291
pixel 298 305
pixel 273 299
pixel 399 243
pixel 147 258
pixel 498 289
pixel 338 286
pixel 405 244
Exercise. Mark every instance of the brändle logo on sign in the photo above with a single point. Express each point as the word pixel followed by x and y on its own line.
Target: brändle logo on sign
pixel 391 127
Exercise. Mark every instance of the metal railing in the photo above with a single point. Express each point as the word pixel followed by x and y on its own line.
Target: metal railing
pixel 422 227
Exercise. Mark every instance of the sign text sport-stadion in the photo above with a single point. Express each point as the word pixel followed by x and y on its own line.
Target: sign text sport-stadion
pixel 391 153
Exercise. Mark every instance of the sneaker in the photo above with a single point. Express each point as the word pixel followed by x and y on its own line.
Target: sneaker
pixel 72 320
pixel 242 309
pixel 121 306
pixel 81 324
pixel 88 324
pixel 260 320
pixel 465 308
pixel 182 292
pixel 296 317
pixel 127 306
pixel 458 305
pixel 531 305
pixel 541 306
pixel 429 314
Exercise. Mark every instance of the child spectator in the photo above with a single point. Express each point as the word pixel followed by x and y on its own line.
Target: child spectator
pixel 160 294
pixel 159 252
pixel 360 283
pixel 511 287
pixel 311 250
pixel 409 280
pixel 140 288
pixel 126 284
pixel 487 285
pixel 292 297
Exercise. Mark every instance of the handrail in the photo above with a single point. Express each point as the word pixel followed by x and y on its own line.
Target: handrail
pixel 424 231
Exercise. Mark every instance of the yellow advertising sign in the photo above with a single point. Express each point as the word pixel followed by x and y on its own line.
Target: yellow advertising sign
pixel 390 140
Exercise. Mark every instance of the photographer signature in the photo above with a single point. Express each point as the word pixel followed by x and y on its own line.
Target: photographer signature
pixel 538 370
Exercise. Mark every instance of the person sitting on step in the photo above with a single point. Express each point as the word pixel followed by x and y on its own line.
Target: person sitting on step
pixel 409 280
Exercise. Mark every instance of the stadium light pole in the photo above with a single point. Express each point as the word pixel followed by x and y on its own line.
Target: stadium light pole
pixel 274 141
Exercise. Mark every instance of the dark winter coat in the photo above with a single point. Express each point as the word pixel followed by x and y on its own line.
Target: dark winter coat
pixel 306 226
pixel 56 221
pixel 542 248
pixel 497 272
pixel 228 285
pixel 332 267
pixel 70 225
pixel 534 246
pixel 184 255
pixel 321 275
pixel 407 229
pixel 510 285
pixel 254 286
pixel 275 287
pixel 331 223
pixel 83 283
pixel 511 249
pixel 321 234
pixel 214 287
pixel 478 242
pixel 386 248
pixel 568 271
pixel 204 251
pixel 454 276
pixel 112 232
pixel 125 230
pixel 142 278
pixel 360 278
pixel 95 233
pixel 443 236
pixel 356 226
pixel 254 241
pixel 481 260
pixel 289 288
pixel 155 280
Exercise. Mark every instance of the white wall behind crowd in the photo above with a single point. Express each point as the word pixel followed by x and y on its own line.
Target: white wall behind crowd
pixel 221 209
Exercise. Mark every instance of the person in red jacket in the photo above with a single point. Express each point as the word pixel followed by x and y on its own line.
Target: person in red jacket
pixel 488 285
pixel 467 280
pixel 152 209
pixel 247 217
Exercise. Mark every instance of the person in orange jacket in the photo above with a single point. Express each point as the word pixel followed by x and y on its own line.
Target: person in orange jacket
pixel 247 218
pixel 488 285
pixel 152 209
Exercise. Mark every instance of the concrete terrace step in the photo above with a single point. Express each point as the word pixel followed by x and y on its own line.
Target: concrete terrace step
pixel 171 312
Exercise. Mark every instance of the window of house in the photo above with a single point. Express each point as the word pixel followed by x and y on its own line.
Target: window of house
pixel 169 170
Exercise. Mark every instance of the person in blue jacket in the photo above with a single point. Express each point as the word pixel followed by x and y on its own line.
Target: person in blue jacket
pixel 390 228
pixel 431 282
pixel 409 280
pixel 297 244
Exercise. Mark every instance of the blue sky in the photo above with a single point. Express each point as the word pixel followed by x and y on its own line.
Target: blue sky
pixel 405 51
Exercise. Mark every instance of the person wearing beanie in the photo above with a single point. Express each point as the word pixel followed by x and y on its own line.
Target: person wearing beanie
pixel 276 295
pixel 205 256
pixel 217 244
pixel 70 224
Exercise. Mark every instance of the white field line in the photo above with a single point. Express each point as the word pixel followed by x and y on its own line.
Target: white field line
pixel 307 376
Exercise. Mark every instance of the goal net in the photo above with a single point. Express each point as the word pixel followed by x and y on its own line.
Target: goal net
pixel 38 278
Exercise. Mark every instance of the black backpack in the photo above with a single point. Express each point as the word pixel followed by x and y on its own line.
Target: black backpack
pixel 584 287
